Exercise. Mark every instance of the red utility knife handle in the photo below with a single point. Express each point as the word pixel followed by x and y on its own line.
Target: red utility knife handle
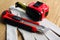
pixel 16 21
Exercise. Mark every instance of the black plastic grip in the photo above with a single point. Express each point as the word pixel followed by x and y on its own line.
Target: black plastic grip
pixel 19 25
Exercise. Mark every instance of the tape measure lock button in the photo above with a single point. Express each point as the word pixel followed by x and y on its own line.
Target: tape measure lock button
pixel 37 4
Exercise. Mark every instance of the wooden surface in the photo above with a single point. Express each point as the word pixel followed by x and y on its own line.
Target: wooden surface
pixel 54 12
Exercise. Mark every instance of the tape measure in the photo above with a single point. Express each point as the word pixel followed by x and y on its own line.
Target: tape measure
pixel 35 11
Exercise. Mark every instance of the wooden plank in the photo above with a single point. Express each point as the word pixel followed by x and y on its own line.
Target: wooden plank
pixel 2 31
pixel 54 6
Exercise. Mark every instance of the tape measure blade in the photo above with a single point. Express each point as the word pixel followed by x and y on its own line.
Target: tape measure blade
pixel 11 32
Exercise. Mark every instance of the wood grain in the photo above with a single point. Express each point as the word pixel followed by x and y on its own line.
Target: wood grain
pixel 53 16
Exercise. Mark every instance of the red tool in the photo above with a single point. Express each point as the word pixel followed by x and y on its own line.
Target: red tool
pixel 35 11
pixel 11 19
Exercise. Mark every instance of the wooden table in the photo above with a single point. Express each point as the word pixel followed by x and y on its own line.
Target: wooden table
pixel 54 12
